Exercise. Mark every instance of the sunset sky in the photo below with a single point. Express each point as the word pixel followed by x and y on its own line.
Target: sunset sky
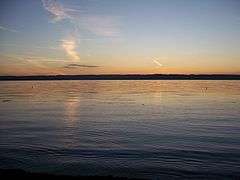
pixel 41 37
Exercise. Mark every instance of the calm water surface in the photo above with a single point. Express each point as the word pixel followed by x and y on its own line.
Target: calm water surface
pixel 148 129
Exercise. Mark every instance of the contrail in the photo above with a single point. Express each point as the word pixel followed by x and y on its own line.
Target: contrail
pixel 158 63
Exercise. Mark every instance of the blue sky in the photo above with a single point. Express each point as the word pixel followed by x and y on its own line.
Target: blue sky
pixel 108 36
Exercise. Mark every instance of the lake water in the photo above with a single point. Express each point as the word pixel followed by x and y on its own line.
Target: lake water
pixel 144 129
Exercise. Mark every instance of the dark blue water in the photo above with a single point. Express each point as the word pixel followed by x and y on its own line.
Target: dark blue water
pixel 145 129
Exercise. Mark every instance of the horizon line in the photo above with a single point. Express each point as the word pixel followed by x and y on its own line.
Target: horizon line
pixel 125 77
pixel 130 74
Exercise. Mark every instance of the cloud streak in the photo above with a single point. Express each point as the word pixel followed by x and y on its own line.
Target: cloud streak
pixel 70 48
pixel 3 28
pixel 80 66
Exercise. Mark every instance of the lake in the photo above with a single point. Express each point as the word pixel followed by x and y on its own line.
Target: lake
pixel 143 129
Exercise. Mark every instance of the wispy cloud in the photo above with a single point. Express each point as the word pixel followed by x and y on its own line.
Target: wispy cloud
pixel 56 11
pixel 33 64
pixel 69 45
pixel 3 28
pixel 97 24
pixel 101 25
pixel 33 46
pixel 158 63
pixel 80 66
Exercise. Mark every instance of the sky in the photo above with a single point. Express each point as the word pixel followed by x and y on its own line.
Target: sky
pixel 46 37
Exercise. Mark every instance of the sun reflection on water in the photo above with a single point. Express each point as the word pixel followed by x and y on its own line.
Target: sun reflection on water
pixel 71 109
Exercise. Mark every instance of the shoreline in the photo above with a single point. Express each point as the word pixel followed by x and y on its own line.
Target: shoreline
pixel 125 77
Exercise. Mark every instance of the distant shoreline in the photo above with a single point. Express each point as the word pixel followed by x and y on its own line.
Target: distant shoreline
pixel 124 77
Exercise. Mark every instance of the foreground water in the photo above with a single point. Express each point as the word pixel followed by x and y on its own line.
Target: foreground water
pixel 146 129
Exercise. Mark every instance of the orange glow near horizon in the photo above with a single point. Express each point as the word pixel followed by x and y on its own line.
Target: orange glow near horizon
pixel 21 71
